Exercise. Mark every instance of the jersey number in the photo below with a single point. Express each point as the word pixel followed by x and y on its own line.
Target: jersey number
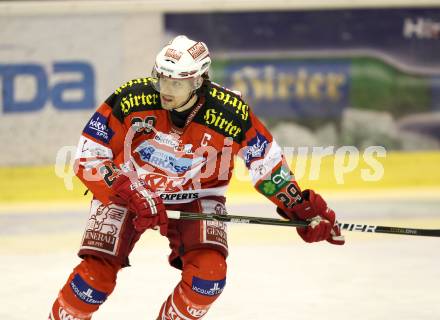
pixel 290 198
pixel 109 173
pixel 143 125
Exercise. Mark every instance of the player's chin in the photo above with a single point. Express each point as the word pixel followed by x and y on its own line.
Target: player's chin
pixel 168 106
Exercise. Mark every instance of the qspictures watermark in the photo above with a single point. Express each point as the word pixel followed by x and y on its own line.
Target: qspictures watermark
pixel 306 162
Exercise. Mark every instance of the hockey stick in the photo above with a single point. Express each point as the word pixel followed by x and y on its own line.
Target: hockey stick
pixel 299 223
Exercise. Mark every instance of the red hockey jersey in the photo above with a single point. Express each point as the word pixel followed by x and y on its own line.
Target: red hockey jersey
pixel 131 130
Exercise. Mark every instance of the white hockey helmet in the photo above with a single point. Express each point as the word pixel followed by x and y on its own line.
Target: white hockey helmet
pixel 183 58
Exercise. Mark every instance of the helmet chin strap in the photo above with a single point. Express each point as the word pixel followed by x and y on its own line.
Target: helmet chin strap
pixel 187 104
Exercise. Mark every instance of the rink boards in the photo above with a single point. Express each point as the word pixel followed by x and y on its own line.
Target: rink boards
pixel 404 171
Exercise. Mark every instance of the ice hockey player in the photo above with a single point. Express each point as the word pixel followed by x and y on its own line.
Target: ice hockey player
pixel 167 142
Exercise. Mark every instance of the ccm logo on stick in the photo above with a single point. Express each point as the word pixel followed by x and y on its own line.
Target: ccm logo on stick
pixel 357 227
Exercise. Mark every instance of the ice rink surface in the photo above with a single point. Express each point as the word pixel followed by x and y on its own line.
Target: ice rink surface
pixel 272 274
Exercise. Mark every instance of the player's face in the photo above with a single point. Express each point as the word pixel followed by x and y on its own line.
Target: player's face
pixel 174 92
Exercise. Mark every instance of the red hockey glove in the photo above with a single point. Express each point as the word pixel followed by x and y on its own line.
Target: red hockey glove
pixel 322 219
pixel 148 207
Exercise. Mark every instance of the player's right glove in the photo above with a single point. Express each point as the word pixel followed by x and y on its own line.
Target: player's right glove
pixel 148 207
pixel 322 226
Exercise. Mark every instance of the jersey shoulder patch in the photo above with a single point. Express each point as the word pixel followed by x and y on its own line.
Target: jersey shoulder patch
pixel 231 100
pixel 134 95
pixel 224 112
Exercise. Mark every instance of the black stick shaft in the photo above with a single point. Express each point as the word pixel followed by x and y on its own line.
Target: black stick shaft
pixel 297 223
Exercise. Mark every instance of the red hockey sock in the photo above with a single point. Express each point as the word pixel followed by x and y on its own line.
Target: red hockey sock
pixel 88 286
pixel 203 279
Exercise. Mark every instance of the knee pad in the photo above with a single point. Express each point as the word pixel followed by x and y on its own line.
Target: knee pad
pixel 204 275
pixel 88 286
pixel 203 280
pixel 98 272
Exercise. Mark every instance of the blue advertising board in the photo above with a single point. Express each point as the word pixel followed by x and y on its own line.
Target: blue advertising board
pixel 411 36
pixel 297 89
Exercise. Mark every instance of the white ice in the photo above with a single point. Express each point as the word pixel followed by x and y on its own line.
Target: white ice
pixel 272 274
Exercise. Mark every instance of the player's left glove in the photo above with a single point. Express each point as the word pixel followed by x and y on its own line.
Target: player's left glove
pixel 322 226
